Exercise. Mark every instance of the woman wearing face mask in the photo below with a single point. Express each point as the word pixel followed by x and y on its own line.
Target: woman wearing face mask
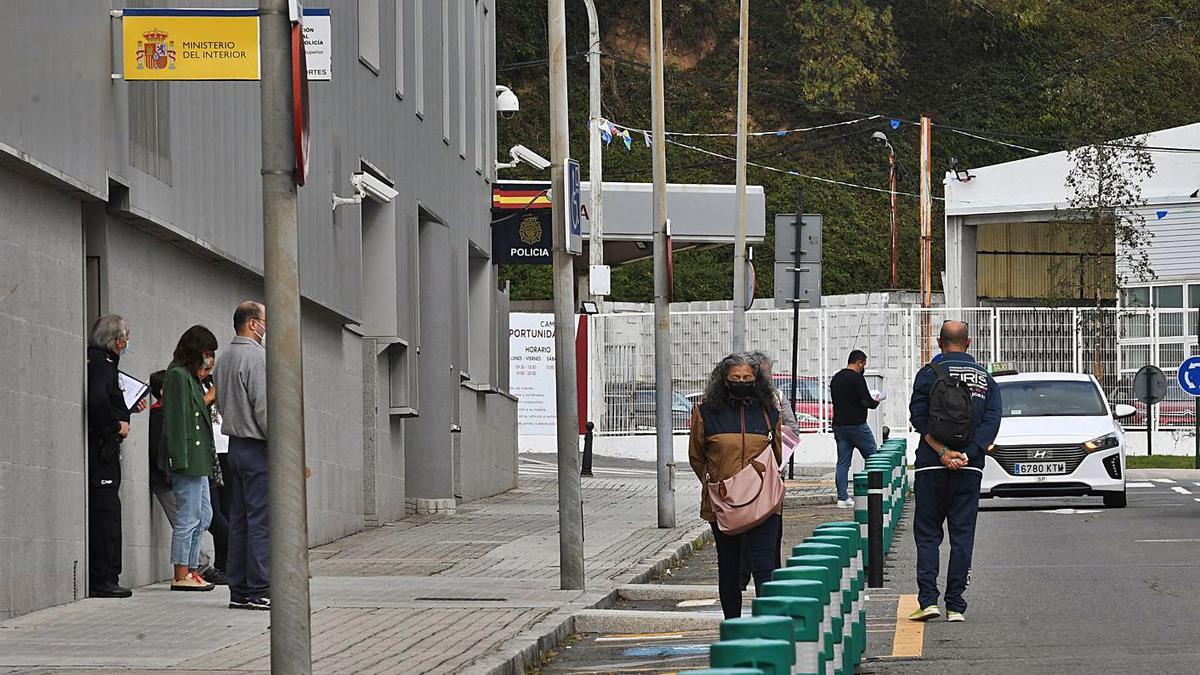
pixel 188 451
pixel 737 420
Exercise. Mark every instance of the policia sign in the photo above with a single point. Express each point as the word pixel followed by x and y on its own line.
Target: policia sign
pixel 522 231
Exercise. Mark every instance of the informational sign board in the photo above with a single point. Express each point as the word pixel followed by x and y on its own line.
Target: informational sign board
pixel 531 371
pixel 574 206
pixel 522 228
pixel 803 290
pixel 318 47
pixel 190 44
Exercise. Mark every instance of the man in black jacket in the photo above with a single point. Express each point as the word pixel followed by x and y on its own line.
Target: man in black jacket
pixel 108 426
pixel 851 401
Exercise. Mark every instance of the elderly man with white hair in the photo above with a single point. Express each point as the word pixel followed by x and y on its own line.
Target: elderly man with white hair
pixel 108 426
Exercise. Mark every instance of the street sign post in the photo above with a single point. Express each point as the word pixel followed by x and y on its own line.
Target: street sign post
pixel 1150 387
pixel 798 261
pixel 1189 382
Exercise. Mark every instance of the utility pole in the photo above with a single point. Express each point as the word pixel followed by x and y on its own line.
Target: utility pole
pixel 739 242
pixel 570 496
pixel 291 632
pixel 663 389
pixel 595 152
pixel 926 237
pixel 596 217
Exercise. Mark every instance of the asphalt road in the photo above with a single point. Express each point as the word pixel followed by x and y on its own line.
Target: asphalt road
pixel 1066 586
pixel 1058 586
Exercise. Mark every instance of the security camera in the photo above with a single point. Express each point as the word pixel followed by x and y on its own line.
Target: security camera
pixel 507 104
pixel 372 187
pixel 521 153
pixel 880 136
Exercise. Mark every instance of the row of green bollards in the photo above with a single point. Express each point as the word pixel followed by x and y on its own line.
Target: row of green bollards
pixel 812 618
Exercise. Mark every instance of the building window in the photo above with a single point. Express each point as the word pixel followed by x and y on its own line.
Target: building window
pixel 400 49
pixel 1168 296
pixel 368 34
pixel 418 36
pixel 481 89
pixel 150 128
pixel 1194 296
pixel 462 52
pixel 445 72
pixel 1135 296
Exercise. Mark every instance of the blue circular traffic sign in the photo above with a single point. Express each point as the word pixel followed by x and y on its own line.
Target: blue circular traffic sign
pixel 1189 376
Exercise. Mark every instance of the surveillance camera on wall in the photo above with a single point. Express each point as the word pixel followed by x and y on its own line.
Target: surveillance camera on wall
pixel 507 103
pixel 521 153
pixel 372 187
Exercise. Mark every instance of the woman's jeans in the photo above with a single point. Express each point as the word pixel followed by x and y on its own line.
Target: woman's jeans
pixel 762 543
pixel 193 514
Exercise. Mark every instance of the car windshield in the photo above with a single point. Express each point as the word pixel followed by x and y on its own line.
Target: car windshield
pixel 1051 398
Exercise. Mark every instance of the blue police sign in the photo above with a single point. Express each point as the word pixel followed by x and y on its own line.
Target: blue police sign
pixel 1189 376
pixel 574 207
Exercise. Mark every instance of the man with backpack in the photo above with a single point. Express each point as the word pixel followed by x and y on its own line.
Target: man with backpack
pixel 955 406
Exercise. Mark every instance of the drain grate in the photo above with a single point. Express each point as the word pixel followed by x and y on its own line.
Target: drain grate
pixel 460 599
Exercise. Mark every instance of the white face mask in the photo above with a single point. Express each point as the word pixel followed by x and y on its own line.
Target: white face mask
pixel 262 337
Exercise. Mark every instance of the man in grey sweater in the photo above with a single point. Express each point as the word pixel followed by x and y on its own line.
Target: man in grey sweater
pixel 241 379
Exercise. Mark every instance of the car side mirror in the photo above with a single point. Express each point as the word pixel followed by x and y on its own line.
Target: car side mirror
pixel 1124 411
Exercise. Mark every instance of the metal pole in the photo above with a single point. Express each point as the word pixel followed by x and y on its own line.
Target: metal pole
pixel 570 512
pixel 1149 428
pixel 797 255
pixel 892 190
pixel 875 529
pixel 595 154
pixel 926 237
pixel 739 242
pixel 587 450
pixel 291 632
pixel 663 423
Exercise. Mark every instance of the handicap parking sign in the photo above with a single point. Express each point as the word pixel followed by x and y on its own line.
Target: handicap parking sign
pixel 1189 376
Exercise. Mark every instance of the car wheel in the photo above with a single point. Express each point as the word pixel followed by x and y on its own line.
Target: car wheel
pixel 1115 500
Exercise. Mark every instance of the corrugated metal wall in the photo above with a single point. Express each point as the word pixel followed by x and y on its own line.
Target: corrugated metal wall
pixel 1033 261
pixel 1175 249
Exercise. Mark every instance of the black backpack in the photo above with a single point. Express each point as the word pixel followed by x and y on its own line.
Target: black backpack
pixel 951 410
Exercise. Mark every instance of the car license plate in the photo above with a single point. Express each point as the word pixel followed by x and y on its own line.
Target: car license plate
pixel 1039 468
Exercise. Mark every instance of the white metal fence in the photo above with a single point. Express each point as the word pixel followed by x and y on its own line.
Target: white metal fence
pixel 1111 344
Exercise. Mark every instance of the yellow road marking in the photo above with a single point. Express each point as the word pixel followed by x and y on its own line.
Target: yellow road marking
pixel 909 638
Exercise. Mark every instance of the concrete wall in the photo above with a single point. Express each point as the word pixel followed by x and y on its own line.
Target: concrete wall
pixel 42 344
pixel 183 246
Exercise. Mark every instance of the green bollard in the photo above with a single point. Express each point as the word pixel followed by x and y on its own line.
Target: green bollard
pixel 806 615
pixel 849 606
pixel 796 588
pixel 723 671
pixel 860 509
pixel 858 611
pixel 829 557
pixel 772 657
pixel 765 627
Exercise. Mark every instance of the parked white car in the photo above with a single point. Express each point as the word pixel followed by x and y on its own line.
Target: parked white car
pixel 1058 438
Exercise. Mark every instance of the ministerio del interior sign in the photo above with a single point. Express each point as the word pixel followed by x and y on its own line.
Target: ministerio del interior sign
pixel 190 44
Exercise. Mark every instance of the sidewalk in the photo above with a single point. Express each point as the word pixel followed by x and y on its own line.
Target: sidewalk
pixel 469 592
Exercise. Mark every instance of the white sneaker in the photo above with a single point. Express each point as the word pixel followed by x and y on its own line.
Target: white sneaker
pixel 845 504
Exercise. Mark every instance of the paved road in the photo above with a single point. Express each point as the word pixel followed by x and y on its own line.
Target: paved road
pixel 1066 586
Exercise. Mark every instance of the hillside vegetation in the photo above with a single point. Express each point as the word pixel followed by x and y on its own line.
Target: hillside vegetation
pixel 1044 74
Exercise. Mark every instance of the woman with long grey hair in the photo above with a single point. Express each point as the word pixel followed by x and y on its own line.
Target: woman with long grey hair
pixel 737 420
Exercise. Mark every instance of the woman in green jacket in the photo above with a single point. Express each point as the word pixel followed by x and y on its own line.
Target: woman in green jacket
pixel 187 447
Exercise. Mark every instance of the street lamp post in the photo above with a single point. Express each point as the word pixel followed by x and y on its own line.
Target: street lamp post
pixel 880 136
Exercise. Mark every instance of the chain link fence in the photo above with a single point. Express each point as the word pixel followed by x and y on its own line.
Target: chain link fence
pixel 1111 344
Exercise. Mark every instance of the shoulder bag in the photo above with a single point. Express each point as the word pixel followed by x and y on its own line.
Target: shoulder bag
pixel 752 495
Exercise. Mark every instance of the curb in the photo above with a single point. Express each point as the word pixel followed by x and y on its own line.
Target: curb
pixel 525 651
pixel 792 501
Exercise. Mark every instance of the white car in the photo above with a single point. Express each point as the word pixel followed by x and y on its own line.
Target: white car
pixel 1058 438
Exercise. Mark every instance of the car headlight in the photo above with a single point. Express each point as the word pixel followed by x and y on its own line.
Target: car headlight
pixel 1103 443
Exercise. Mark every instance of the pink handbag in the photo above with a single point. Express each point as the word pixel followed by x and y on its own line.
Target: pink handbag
pixel 751 496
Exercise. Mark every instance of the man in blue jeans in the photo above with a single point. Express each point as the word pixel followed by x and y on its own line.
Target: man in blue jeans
pixel 241 377
pixel 851 400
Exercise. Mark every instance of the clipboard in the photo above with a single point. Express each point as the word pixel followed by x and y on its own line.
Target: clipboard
pixel 133 389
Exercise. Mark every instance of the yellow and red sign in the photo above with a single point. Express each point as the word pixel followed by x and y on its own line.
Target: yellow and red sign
pixel 190 44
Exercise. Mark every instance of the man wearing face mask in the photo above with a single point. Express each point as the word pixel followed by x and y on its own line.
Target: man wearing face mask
pixel 241 380
pixel 108 426
pixel 851 401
